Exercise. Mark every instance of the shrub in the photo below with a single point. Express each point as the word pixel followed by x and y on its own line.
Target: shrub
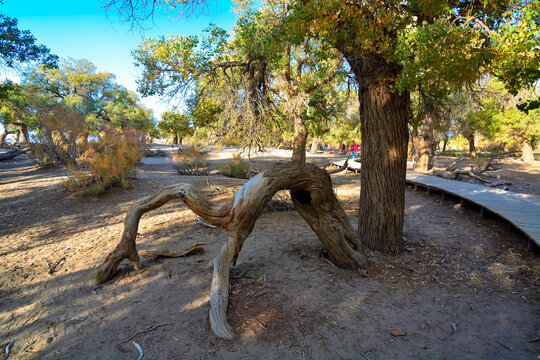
pixel 237 168
pixel 191 162
pixel 111 160
pixel 155 153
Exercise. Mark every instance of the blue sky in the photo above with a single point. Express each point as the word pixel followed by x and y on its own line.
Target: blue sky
pixel 81 29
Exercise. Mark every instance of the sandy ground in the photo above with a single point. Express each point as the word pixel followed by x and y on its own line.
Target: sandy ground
pixel 465 288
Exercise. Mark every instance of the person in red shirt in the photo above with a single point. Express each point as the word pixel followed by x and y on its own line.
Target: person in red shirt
pixel 354 149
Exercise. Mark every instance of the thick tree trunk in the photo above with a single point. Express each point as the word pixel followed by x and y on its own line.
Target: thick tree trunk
pixel 312 193
pixel 23 130
pixel 527 154
pixel 425 138
pixel 384 117
pixel 175 139
pixel 472 148
pixel 300 139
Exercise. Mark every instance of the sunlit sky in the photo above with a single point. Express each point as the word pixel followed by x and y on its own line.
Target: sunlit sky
pixel 81 29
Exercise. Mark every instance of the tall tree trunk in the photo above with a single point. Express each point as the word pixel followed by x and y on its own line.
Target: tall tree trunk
pixel 445 142
pixel 300 139
pixel 315 144
pixel 384 117
pixel 3 136
pixel 411 145
pixel 175 139
pixel 425 138
pixel 472 148
pixel 180 139
pixel 527 154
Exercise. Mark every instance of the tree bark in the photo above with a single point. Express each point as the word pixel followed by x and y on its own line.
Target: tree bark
pixel 315 144
pixel 3 137
pixel 384 117
pixel 312 193
pixel 300 139
pixel 175 139
pixel 425 138
pixel 527 154
pixel 445 142
pixel 411 144
pixel 23 130
pixel 472 148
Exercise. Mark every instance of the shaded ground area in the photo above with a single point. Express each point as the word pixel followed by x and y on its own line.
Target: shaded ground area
pixel 465 287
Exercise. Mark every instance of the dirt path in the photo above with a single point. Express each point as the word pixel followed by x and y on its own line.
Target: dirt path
pixel 464 288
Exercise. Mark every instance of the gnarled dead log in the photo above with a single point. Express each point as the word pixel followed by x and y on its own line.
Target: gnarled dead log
pixel 311 192
pixel 13 154
pixel 452 172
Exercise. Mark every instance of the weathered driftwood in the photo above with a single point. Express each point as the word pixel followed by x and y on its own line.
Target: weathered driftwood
pixel 13 154
pixel 453 173
pixel 312 194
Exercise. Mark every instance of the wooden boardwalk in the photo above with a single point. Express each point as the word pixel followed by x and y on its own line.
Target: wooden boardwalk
pixel 521 210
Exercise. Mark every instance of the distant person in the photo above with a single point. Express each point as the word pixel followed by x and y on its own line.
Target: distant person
pixel 354 149
pixel 330 147
pixel 343 147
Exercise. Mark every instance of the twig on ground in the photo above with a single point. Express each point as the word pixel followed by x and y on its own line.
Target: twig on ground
pixel 504 346
pixel 144 331
pixel 52 268
pixel 8 349
pixel 439 281
pixel 204 222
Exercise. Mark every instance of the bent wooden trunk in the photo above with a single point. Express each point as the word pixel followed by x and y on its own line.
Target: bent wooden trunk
pixel 312 193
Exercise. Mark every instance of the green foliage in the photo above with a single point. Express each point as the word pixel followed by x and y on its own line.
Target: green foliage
pixel 519 54
pixel 176 124
pixel 237 168
pixel 77 85
pixel 19 46
pixel 515 127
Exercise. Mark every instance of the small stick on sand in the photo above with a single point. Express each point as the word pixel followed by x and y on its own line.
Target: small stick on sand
pixel 145 330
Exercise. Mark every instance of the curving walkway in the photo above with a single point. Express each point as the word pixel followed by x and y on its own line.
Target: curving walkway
pixel 521 210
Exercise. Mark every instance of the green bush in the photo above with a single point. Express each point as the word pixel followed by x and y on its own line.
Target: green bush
pixel 155 153
pixel 237 168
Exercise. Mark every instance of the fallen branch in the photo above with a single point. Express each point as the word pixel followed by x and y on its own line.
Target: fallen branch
pixel 452 165
pixel 343 167
pixel 204 222
pixel 53 267
pixel 153 254
pixel 145 331
pixel 8 349
pixel 13 154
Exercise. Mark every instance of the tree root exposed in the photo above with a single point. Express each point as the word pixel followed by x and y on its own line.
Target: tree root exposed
pixel 312 194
